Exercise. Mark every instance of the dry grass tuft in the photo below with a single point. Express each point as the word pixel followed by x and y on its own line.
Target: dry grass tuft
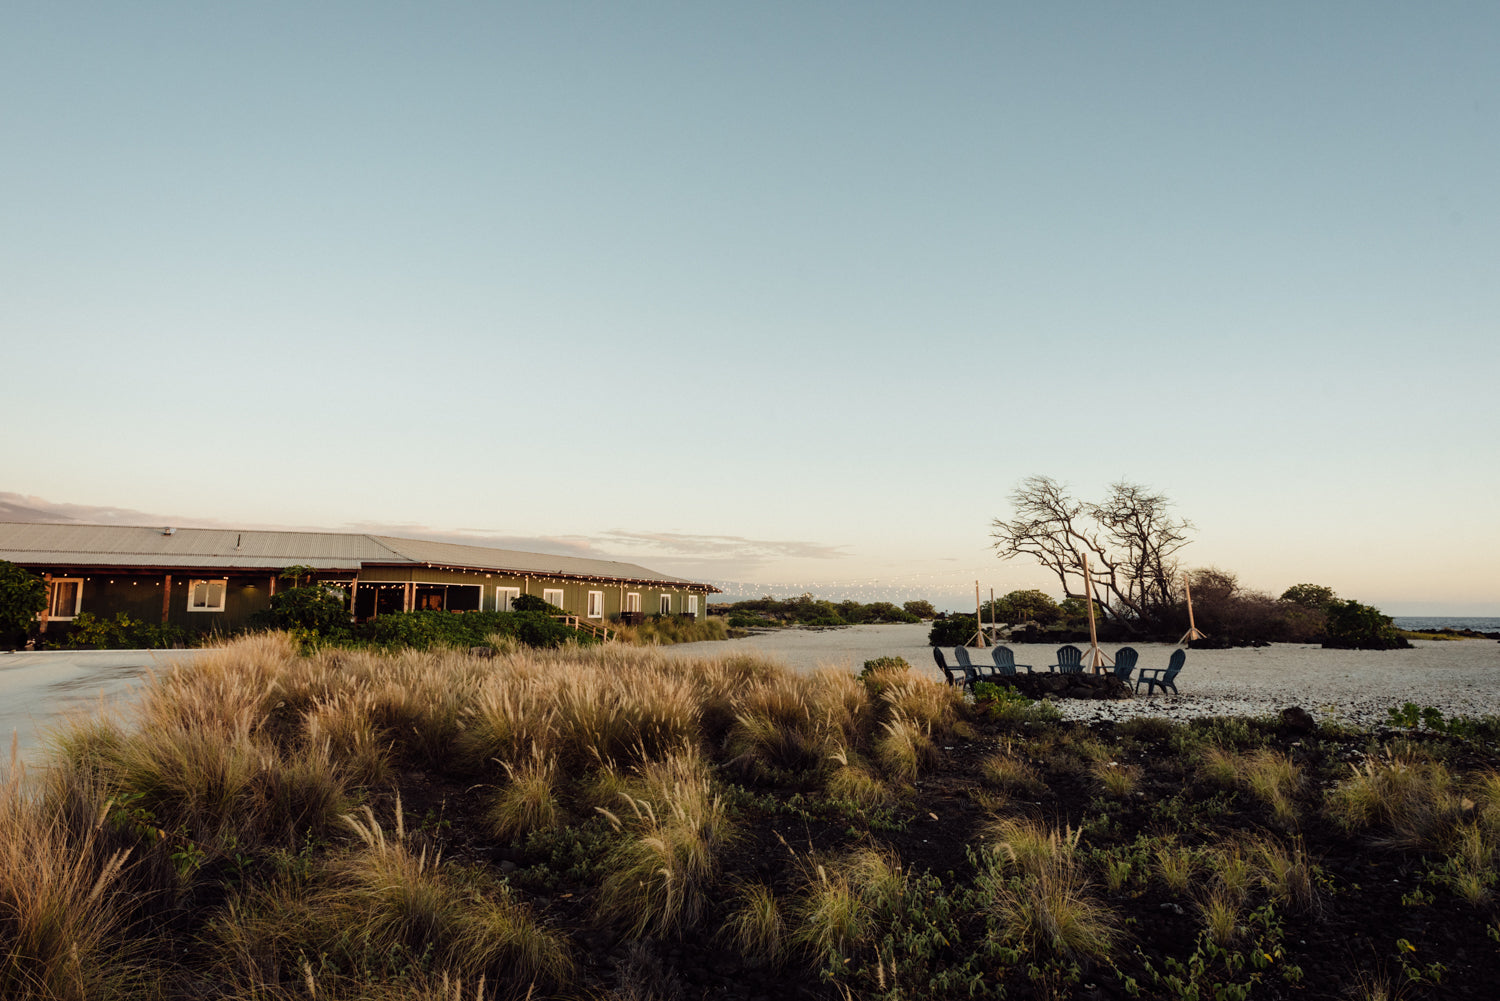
pixel 1221 915
pixel 904 747
pixel 60 929
pixel 1274 779
pixel 755 927
pixel 1118 781
pixel 932 704
pixel 852 782
pixel 1009 773
pixel 1040 896
pixel 836 912
pixel 1287 873
pixel 1175 865
pixel 388 907
pixel 1269 776
pixel 664 867
pixel 529 801
pixel 1416 801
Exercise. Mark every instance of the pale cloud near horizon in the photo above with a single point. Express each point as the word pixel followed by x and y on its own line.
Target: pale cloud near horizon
pixel 721 546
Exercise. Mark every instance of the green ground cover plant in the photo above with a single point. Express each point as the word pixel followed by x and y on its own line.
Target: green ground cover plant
pixel 277 822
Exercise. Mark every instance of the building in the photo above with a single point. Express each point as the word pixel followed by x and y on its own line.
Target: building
pixel 215 579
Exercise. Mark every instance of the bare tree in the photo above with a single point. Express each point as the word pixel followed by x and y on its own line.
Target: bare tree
pixel 1130 540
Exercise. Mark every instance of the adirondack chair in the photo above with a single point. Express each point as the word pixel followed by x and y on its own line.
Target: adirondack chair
pixel 1125 659
pixel 1069 660
pixel 1162 677
pixel 972 671
pixel 1005 661
pixel 955 680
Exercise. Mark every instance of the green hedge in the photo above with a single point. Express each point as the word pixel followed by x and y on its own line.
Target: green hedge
pixel 463 629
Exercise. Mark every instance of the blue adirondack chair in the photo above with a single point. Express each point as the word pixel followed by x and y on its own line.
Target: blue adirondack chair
pixel 1125 659
pixel 1069 660
pixel 1162 677
pixel 972 671
pixel 1005 661
pixel 953 679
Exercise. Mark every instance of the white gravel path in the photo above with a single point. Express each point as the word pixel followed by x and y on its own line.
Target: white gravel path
pixel 1357 686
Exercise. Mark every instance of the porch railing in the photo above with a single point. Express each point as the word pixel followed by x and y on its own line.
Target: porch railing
pixel 585 626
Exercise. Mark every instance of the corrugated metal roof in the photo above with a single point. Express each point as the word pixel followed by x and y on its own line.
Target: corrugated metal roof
pixel 450 554
pixel 130 546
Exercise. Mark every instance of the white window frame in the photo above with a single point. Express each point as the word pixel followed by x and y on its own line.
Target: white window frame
pixel 223 594
pixel 504 596
pixel 548 592
pixel 692 604
pixel 666 604
pixel 632 601
pixel 53 616
pixel 596 605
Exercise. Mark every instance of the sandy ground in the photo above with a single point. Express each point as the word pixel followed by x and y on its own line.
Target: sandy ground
pixel 1355 685
pixel 39 689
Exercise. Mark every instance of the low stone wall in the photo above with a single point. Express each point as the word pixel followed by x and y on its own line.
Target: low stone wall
pixel 1067 686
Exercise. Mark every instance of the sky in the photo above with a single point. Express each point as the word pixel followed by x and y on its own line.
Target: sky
pixel 781 296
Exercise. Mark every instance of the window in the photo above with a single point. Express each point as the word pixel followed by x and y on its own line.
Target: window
pixel 666 604
pixel 504 596
pixel 65 597
pixel 596 605
pixel 633 601
pixel 692 608
pixel 553 597
pixel 207 595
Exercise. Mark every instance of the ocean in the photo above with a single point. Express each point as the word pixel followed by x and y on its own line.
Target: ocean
pixel 1424 623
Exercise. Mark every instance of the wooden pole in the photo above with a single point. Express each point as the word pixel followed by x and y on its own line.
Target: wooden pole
pixel 978 617
pixel 1096 656
pixel 166 598
pixel 47 608
pixel 1192 633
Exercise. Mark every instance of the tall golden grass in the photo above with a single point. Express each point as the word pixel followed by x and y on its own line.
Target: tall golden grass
pixel 258 779
pixel 60 920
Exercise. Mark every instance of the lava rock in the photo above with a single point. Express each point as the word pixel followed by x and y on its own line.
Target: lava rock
pixel 1068 686
pixel 1298 720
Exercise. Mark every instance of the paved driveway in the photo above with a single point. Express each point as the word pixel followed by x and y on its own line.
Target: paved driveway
pixel 38 689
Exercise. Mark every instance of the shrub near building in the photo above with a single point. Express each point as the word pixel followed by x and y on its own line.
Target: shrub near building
pixel 23 595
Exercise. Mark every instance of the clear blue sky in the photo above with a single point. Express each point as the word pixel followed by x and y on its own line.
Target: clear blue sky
pixel 785 294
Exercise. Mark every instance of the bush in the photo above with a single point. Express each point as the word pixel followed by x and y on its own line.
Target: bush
pixel 123 633
pixel 921 609
pixel 531 603
pixel 22 596
pixel 317 608
pixel 806 610
pixel 1352 626
pixel 952 630
pixel 1025 606
pixel 426 629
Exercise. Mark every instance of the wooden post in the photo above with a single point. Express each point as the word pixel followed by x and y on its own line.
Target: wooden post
pixel 47 608
pixel 978 616
pixel 1096 656
pixel 410 596
pixel 354 593
pixel 1192 633
pixel 166 598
